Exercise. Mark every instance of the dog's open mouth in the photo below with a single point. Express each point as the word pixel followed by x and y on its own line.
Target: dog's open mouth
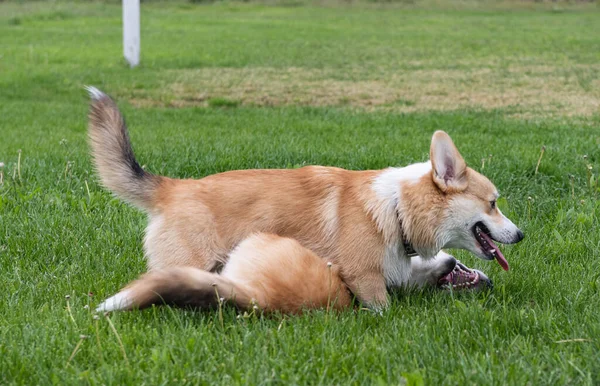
pixel 464 278
pixel 491 251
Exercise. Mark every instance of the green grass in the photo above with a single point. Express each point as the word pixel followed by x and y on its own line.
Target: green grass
pixel 61 234
pixel 222 102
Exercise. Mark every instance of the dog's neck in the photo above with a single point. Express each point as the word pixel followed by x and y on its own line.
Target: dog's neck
pixel 387 209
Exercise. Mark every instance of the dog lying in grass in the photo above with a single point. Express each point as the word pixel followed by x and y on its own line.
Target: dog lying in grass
pixel 370 225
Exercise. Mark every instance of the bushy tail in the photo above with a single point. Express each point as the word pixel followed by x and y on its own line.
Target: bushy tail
pixel 178 286
pixel 113 155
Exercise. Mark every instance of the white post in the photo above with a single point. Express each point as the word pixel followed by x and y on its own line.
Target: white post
pixel 131 31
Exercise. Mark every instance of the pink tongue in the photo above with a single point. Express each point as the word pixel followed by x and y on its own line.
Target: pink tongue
pixel 499 256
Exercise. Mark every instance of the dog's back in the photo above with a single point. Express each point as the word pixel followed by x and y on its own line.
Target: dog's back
pixel 274 273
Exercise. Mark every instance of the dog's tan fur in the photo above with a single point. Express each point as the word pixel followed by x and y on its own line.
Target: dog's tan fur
pixel 200 222
pixel 355 219
pixel 271 272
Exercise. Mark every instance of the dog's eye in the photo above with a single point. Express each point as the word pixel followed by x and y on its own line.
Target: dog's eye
pixel 493 204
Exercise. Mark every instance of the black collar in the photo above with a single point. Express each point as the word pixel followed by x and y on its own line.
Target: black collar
pixel 408 248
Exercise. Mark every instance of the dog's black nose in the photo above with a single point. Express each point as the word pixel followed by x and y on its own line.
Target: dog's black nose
pixel 520 236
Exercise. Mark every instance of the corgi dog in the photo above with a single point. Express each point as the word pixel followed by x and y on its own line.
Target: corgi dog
pixel 368 224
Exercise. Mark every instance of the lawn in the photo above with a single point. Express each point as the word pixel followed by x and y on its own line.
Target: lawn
pixel 241 85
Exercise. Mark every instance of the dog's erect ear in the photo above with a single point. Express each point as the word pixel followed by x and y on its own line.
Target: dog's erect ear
pixel 449 167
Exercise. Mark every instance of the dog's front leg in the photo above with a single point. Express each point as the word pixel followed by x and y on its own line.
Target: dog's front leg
pixel 370 290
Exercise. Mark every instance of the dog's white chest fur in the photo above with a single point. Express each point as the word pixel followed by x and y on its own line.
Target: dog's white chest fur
pixel 396 265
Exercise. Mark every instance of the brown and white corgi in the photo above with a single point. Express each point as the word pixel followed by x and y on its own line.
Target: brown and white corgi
pixel 364 222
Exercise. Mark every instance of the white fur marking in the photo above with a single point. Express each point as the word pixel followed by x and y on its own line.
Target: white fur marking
pixel 95 94
pixel 329 209
pixel 116 302
pixel 396 266
pixel 153 232
pixel 387 184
